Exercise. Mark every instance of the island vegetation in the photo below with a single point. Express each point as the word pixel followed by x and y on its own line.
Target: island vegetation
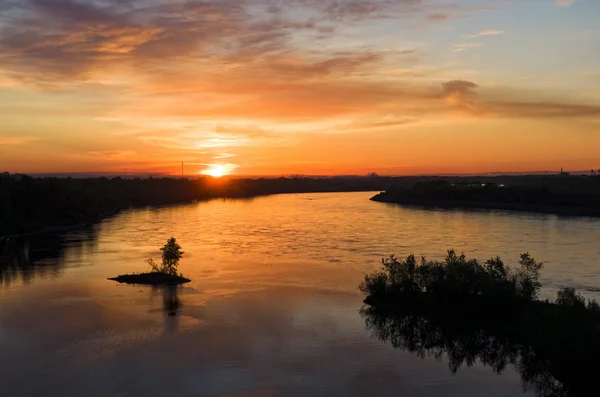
pixel 563 195
pixel 164 273
pixel 467 311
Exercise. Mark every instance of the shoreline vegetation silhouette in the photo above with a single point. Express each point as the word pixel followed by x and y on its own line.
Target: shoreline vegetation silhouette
pixel 469 312
pixel 35 205
pixel 164 273
pixel 561 195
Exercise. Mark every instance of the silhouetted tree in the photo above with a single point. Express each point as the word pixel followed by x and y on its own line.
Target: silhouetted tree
pixel 527 277
pixel 171 254
pixel 569 298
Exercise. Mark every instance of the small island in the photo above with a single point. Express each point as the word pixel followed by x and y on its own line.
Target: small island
pixel 151 278
pixel 164 273
pixel 486 312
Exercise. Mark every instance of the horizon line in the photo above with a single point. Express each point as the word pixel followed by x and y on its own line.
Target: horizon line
pixel 99 174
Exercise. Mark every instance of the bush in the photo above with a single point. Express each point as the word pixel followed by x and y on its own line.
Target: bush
pixel 374 284
pixel 527 277
pixel 567 297
pixel 456 276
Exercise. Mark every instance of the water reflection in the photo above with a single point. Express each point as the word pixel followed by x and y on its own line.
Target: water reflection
pixel 25 258
pixel 171 302
pixel 466 342
pixel 171 305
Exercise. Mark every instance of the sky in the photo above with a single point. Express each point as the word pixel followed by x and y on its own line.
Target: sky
pixel 312 87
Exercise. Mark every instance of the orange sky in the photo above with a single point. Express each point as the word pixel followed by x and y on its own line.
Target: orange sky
pixel 264 87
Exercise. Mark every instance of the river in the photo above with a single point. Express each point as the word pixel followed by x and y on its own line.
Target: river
pixel 273 306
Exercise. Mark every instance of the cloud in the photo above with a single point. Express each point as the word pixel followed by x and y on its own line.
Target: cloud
pixel 211 75
pixel 462 95
pixel 17 140
pixel 439 17
pixel 485 33
pixel 465 46
pixel 46 41
pixel 111 154
pixel 564 3
pixel 224 156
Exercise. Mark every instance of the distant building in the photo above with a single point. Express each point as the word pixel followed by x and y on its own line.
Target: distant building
pixel 563 173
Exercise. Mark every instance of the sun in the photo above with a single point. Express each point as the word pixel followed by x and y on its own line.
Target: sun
pixel 215 171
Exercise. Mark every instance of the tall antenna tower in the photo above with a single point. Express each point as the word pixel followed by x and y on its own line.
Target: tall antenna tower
pixel 182 169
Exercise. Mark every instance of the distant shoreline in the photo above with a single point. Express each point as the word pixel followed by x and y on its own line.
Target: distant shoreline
pixel 46 205
pixel 63 228
pixel 474 205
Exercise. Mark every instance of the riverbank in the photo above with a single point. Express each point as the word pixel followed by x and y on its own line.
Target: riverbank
pixel 33 205
pixel 476 205
pixel 568 196
pixel 64 228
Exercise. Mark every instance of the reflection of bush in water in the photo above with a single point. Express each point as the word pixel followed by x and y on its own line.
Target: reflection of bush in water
pixel 463 344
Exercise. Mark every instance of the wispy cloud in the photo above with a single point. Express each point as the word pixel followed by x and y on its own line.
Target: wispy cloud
pixel 17 140
pixel 485 33
pixel 224 156
pixel 463 95
pixel 111 154
pixel 465 46
pixel 564 3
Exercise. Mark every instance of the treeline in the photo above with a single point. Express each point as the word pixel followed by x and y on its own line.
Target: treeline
pixel 31 204
pixel 569 195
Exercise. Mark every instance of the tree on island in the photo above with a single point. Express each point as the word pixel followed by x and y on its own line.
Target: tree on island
pixel 171 254
pixel 164 273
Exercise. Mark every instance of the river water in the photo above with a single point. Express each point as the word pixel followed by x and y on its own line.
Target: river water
pixel 273 308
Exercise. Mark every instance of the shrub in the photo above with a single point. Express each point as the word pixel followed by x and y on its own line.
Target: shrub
pixel 374 284
pixel 455 276
pixel 527 277
pixel 593 306
pixel 567 297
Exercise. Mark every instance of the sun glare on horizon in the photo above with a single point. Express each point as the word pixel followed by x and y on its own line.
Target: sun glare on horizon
pixel 216 171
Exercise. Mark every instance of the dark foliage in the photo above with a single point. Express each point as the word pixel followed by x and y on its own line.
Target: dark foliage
pixel 171 254
pixel 32 204
pixel 574 195
pixel 456 277
pixel 467 311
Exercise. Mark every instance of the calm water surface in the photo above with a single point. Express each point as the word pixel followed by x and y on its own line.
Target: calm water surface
pixel 273 308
